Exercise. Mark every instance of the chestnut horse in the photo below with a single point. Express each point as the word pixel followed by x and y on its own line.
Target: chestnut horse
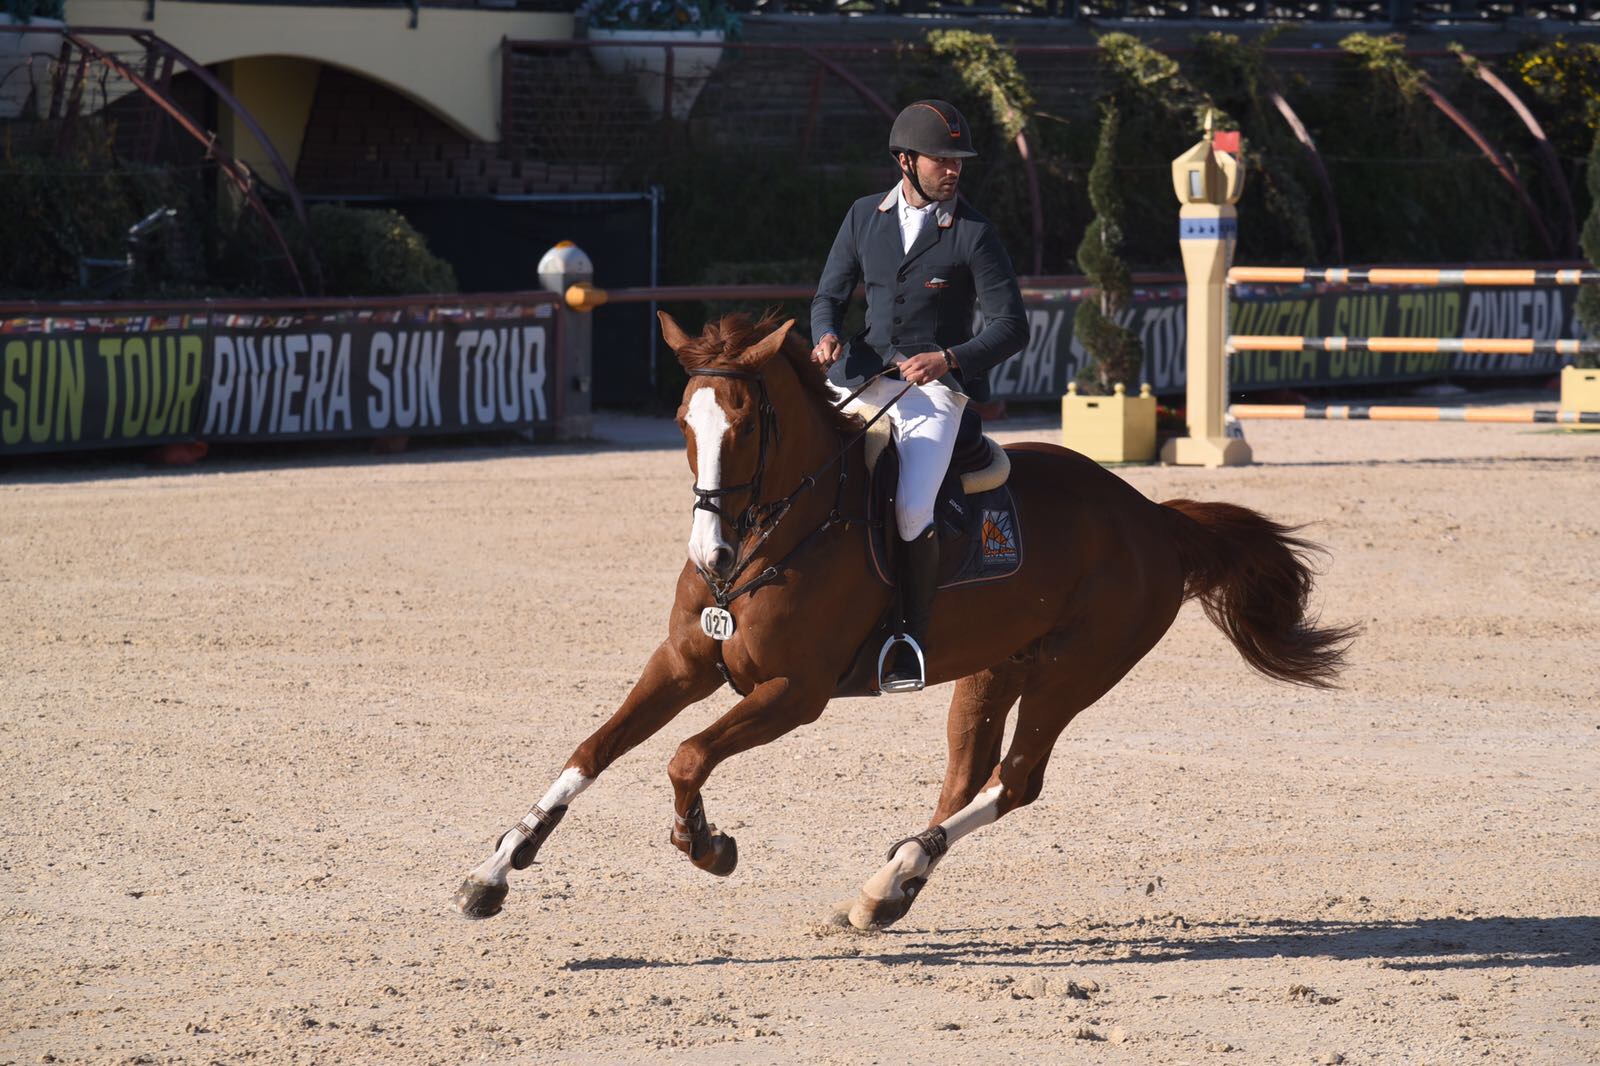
pixel 778 474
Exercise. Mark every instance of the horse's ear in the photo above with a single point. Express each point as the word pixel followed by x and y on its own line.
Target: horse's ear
pixel 671 332
pixel 767 347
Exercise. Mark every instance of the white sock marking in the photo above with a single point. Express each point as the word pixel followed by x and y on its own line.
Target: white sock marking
pixel 983 810
pixel 564 791
pixel 909 860
pixel 493 870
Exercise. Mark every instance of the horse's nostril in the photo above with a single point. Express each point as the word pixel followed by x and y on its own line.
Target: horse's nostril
pixel 721 561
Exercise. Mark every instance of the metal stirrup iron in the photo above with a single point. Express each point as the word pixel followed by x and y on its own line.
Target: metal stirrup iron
pixel 922 665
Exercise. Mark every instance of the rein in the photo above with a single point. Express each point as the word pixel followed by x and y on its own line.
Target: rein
pixel 764 519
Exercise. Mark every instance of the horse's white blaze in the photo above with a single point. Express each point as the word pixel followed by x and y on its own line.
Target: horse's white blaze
pixel 493 870
pixel 909 860
pixel 709 422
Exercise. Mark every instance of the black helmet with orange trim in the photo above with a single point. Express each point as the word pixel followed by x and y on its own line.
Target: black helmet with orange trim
pixel 932 127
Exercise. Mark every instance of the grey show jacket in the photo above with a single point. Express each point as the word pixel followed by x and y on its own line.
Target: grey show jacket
pixel 920 300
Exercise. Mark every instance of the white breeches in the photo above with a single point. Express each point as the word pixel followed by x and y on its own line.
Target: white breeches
pixel 924 423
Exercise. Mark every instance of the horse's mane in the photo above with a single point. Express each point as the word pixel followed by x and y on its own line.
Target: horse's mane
pixel 723 342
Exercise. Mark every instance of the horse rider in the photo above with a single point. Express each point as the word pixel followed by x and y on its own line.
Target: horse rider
pixel 925 256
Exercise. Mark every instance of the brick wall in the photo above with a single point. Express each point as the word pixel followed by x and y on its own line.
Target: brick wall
pixel 363 139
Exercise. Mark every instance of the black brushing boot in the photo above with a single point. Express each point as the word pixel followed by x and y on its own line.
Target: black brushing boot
pixel 903 661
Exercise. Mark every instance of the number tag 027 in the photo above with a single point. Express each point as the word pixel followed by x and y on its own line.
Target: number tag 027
pixel 717 623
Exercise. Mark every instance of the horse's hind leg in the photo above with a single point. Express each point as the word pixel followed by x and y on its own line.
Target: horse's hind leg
pixel 670 682
pixel 1074 668
pixel 974 729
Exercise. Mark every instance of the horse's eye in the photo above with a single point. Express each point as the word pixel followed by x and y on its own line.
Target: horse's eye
pixel 743 432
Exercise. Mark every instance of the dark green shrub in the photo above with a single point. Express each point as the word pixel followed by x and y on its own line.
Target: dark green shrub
pixel 1589 295
pixel 55 211
pixel 24 10
pixel 756 208
pixel 374 252
pixel 1286 216
pixel 1564 77
pixel 1159 110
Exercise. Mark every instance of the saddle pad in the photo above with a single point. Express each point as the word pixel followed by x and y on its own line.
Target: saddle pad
pixel 996 549
pixel 980 534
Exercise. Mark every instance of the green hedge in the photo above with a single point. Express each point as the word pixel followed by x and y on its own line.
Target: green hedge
pixel 374 252
pixel 1403 176
pixel 54 212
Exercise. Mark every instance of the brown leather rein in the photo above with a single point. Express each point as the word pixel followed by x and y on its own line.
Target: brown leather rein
pixel 764 519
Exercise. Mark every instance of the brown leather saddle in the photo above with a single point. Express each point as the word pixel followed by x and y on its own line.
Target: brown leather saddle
pixel 980 536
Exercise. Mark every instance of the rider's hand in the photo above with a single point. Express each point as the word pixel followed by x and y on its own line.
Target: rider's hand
pixel 826 353
pixel 923 368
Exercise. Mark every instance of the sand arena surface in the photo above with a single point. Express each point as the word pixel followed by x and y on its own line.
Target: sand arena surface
pixel 259 718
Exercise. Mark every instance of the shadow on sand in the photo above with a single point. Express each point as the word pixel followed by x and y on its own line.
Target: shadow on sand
pixel 1420 944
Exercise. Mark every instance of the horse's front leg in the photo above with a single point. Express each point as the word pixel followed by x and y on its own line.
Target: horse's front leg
pixel 774 708
pixel 671 681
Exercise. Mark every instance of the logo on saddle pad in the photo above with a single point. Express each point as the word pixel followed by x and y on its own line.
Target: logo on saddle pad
pixel 999 540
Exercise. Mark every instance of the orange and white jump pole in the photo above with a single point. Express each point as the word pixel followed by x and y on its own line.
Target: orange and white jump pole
pixel 1247 275
pixel 1396 413
pixel 1414 345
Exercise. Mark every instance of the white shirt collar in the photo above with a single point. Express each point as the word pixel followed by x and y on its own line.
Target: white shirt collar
pixel 905 205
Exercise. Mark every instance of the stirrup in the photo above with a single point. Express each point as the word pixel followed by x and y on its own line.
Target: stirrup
pixel 916 684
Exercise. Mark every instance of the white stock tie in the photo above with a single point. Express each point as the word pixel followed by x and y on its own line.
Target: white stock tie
pixel 912 230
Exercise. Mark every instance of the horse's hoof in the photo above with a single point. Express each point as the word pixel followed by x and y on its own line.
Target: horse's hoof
pixel 475 899
pixel 723 858
pixel 868 913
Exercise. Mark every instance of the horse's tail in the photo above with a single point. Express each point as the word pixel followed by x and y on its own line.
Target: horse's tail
pixel 1253 578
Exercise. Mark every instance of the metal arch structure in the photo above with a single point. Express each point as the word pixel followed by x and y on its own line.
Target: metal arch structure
pixel 1547 154
pixel 1303 135
pixel 236 172
pixel 1501 165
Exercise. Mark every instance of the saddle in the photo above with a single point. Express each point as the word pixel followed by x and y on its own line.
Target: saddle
pixel 980 538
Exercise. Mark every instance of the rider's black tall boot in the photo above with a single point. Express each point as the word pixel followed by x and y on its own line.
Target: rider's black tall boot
pixel 904 666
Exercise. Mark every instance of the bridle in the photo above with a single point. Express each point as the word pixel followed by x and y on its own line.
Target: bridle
pixel 767 416
pixel 763 518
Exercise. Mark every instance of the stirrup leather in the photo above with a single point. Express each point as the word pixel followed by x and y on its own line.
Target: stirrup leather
pixel 921 680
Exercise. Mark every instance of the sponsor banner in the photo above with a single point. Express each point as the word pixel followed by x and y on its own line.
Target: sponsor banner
pixel 110 382
pixel 1054 357
pixel 85 383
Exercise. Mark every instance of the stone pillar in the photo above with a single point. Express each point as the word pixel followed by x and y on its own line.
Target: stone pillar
pixel 1208 183
pixel 562 267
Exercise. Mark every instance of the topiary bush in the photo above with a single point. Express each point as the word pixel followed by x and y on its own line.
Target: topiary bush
pixel 1589 295
pixel 1114 348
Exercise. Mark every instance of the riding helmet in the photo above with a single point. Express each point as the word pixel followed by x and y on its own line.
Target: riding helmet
pixel 932 127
